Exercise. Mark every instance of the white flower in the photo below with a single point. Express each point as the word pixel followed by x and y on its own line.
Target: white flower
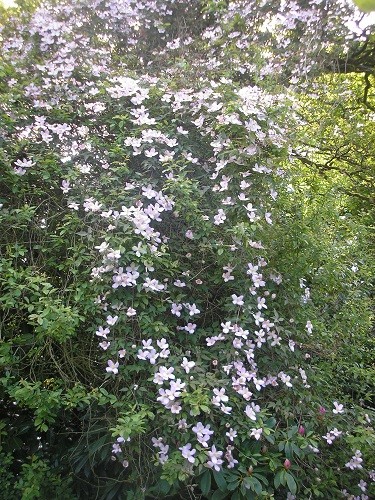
pixel 220 217
pixel 261 303
pixel 251 411
pixel 332 435
pixel 24 163
pixel 190 327
pixel 180 130
pixel 179 283
pixel 102 247
pixel 163 374
pixel 139 249
pixel 112 320
pixel 153 285
pixel 187 365
pixel 176 308
pixel 112 367
pixel 258 318
pixel 338 408
pixel 147 344
pixel 175 407
pixel 104 345
pixel 237 300
pixel 267 216
pixel 102 332
pixel 131 312
pixel 192 309
pixel 157 442
pixel 256 433
pixel 309 327
pixel 116 448
pixel 285 379
pixel 231 434
pixel 215 461
pixel 188 452
pixel 203 433
pixel 356 461
pixel 153 356
pixel 362 485
pixel 113 254
pixel 219 396
pixel 149 153
pixel 65 186
pixel 226 409
pixel 182 424
pixel 162 344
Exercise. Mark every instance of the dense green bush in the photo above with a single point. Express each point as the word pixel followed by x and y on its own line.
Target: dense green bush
pixel 185 294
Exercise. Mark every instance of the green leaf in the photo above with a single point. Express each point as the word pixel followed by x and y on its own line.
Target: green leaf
pixel 257 486
pixel 219 495
pixel 163 487
pixel 249 495
pixel 271 422
pixel 98 444
pixel 205 482
pixel 220 480
pixel 232 486
pixel 292 485
pixel 296 450
pixel 270 438
pixel 280 478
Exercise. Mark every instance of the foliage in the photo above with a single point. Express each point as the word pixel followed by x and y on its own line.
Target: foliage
pixel 186 205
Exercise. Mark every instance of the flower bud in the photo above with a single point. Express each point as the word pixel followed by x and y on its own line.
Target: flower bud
pixel 301 430
pixel 287 464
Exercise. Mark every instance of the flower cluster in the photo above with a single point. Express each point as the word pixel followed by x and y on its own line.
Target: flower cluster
pixel 177 186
